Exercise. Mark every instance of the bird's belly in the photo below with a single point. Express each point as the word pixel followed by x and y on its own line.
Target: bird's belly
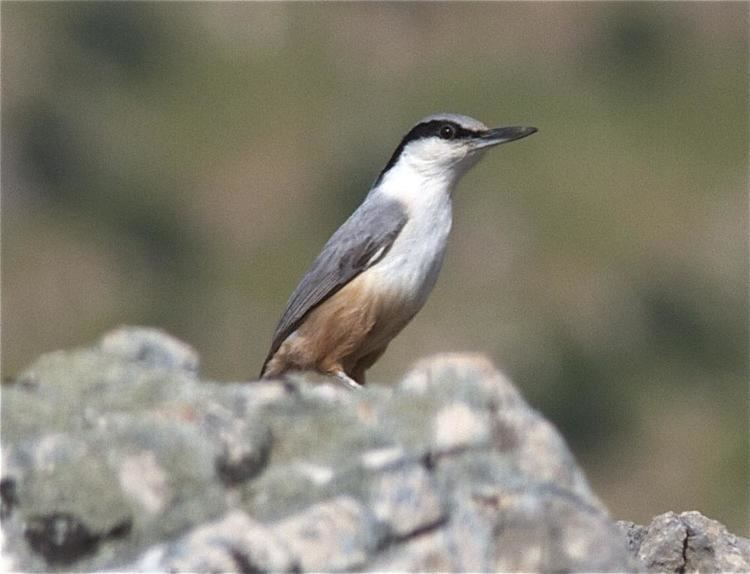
pixel 408 272
pixel 389 306
pixel 358 320
pixel 405 277
pixel 403 285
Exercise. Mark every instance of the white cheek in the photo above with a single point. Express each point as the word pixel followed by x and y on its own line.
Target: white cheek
pixel 434 149
pixel 433 157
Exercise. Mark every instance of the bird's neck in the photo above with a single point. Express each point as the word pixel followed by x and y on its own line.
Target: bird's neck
pixel 419 189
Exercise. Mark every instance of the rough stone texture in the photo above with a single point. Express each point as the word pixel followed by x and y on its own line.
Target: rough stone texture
pixel 405 500
pixel 233 543
pixel 118 457
pixel 150 346
pixel 687 542
pixel 334 535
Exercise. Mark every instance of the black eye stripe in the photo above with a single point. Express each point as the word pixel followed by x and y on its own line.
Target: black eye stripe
pixel 426 130
pixel 434 127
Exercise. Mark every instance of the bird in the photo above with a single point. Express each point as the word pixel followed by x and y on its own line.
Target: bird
pixel 377 270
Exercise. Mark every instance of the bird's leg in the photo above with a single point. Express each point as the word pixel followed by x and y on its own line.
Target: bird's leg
pixel 358 372
pixel 346 380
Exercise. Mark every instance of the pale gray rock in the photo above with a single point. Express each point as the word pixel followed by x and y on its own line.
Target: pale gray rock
pixel 406 500
pixel 118 457
pixel 470 534
pixel 544 528
pixel 530 447
pixel 244 443
pixel 457 426
pixel 427 553
pixel 687 542
pixel 465 543
pixel 334 535
pixel 151 346
pixel 234 543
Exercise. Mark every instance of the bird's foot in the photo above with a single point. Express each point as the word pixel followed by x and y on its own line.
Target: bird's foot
pixel 346 380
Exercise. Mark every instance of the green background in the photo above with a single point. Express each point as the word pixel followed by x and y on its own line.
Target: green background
pixel 180 165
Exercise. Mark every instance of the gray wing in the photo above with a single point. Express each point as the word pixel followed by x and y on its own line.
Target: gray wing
pixel 358 244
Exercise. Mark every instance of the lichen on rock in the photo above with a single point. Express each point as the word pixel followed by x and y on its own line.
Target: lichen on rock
pixel 119 457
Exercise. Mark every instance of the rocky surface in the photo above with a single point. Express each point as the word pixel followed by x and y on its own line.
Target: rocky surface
pixel 687 542
pixel 118 457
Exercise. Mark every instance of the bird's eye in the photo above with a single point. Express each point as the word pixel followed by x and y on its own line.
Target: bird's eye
pixel 447 132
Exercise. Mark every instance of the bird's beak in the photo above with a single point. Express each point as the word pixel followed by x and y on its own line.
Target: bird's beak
pixel 497 136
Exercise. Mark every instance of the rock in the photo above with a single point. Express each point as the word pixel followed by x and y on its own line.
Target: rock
pixel 245 444
pixel 687 542
pixel 457 426
pixel 546 528
pixel 428 553
pixel 150 346
pixel 234 543
pixel 335 535
pixel 406 500
pixel 118 457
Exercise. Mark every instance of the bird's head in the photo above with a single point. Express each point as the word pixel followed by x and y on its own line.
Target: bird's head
pixel 447 145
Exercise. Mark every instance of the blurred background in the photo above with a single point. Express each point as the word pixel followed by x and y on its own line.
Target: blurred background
pixel 180 165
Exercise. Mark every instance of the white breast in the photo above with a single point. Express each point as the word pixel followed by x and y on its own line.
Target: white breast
pixel 409 270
